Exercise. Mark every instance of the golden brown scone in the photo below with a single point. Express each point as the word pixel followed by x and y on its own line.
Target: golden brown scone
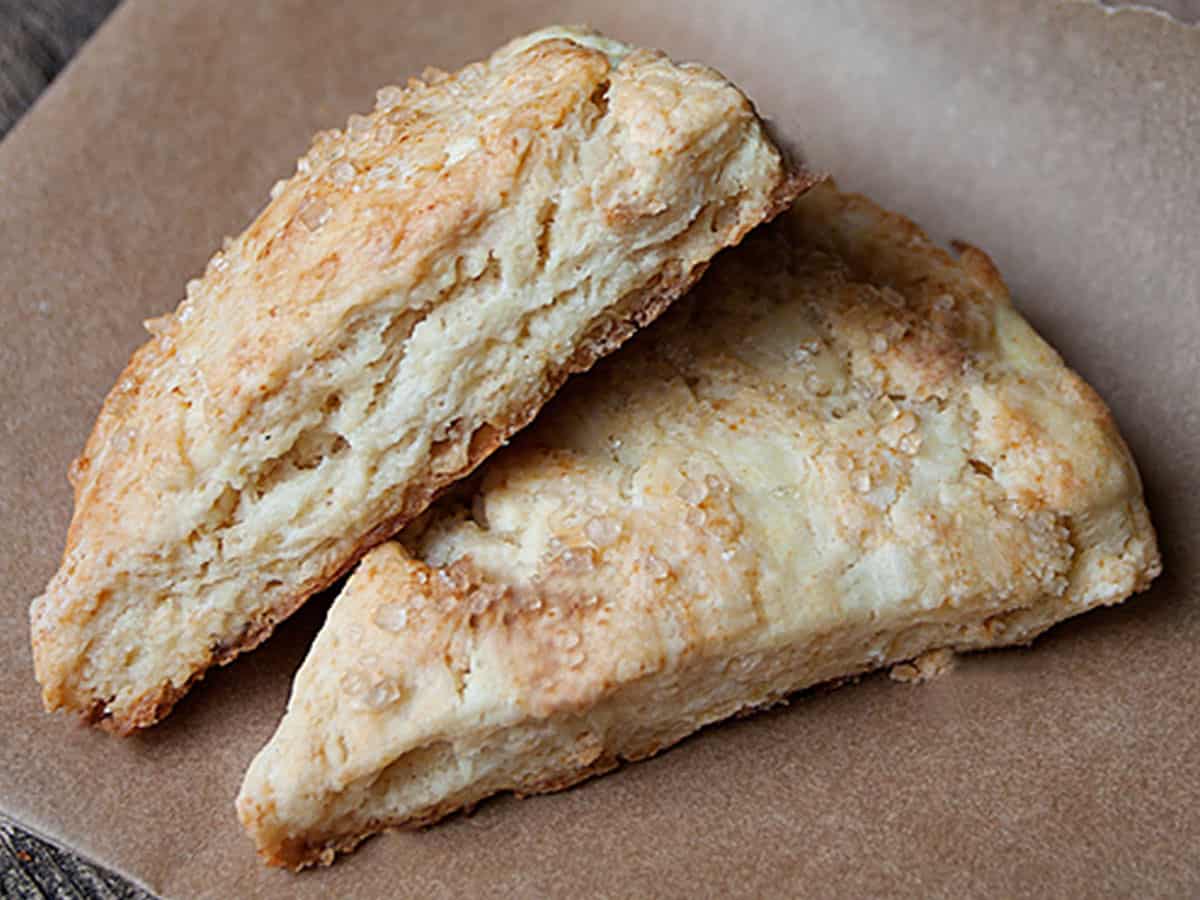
pixel 404 303
pixel 845 449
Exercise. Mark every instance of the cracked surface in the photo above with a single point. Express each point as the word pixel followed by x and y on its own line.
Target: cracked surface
pixel 844 450
pixel 404 303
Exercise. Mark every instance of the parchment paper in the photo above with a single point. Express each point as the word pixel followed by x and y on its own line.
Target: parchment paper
pixel 1061 138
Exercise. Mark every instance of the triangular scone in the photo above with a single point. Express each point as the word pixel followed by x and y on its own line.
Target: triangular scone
pixel 845 449
pixel 404 303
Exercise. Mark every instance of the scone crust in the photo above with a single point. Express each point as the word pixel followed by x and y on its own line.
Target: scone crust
pixel 153 706
pixel 326 245
pixel 843 451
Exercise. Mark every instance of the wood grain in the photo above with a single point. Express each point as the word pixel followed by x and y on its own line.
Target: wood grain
pixel 37 38
pixel 31 868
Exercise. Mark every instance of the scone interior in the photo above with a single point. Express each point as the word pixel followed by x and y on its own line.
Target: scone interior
pixel 404 303
pixel 843 450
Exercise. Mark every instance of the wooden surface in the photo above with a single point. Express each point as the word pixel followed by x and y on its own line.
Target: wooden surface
pixel 38 38
pixel 30 868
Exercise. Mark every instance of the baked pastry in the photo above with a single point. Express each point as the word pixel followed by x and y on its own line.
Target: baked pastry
pixel 404 303
pixel 844 450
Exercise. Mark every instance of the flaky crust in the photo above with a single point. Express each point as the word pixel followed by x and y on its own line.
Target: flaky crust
pixel 405 302
pixel 843 451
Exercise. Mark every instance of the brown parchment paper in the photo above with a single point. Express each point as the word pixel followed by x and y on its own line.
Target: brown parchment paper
pixel 1061 138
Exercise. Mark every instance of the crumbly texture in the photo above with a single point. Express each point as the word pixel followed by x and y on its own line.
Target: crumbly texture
pixel 845 449
pixel 404 303
pixel 926 667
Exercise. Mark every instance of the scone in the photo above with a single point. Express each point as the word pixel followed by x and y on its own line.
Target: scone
pixel 844 450
pixel 405 302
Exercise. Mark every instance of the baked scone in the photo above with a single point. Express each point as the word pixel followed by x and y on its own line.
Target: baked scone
pixel 404 303
pixel 844 450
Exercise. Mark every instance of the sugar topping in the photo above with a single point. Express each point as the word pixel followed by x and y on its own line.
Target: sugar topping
pixel 884 410
pixel 357 127
pixel 861 481
pixel 365 693
pixel 342 173
pixel 389 97
pixel 354 683
pixel 692 492
pixel 574 561
pixel 894 432
pixel 375 696
pixel 805 349
pixel 313 213
pixel 484 597
pixel 655 567
pixel 391 616
pixel 453 578
pixel 602 532
pixel 159 324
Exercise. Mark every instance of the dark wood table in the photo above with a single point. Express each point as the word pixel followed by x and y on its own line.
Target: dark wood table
pixel 38 38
